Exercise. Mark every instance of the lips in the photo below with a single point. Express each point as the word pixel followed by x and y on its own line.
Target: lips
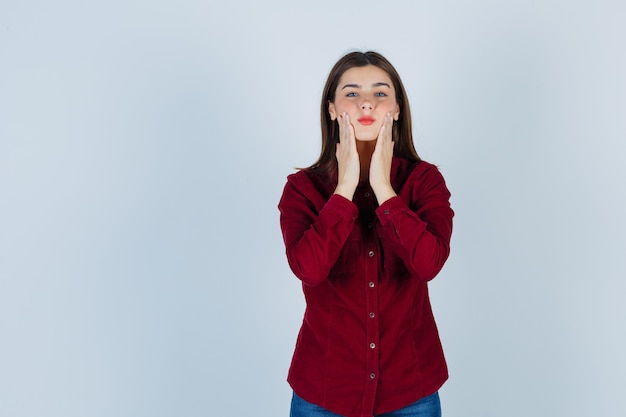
pixel 366 120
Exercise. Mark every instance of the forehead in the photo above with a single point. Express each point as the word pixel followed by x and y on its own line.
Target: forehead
pixel 364 76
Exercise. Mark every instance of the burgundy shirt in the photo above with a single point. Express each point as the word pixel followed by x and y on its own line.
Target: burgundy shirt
pixel 368 343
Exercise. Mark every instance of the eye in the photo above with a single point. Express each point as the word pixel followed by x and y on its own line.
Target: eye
pixel 352 94
pixel 380 94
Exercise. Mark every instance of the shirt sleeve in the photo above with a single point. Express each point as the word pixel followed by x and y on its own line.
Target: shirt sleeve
pixel 417 225
pixel 314 229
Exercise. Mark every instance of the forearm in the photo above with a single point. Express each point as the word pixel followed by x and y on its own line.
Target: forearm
pixel 423 244
pixel 383 192
pixel 313 242
pixel 346 191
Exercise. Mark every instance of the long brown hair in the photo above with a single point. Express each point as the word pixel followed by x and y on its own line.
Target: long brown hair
pixel 402 133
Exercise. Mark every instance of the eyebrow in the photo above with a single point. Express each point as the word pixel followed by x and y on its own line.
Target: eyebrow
pixel 378 84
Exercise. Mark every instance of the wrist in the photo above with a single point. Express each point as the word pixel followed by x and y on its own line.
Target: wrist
pixel 383 192
pixel 345 190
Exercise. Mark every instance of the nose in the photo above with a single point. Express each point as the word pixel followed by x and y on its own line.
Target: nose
pixel 367 105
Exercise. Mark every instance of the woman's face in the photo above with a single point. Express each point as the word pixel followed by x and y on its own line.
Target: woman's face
pixel 366 94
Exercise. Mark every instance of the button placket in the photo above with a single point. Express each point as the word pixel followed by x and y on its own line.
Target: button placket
pixel 370 313
pixel 372 327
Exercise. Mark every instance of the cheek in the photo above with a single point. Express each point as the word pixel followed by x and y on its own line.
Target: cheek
pixel 390 108
pixel 341 106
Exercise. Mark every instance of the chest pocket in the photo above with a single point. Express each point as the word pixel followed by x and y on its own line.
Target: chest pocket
pixel 350 254
pixel 392 266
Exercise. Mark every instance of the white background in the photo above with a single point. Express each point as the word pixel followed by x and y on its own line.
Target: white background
pixel 144 146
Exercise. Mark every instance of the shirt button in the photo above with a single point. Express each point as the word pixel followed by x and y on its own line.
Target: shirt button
pixel 372 286
pixel 370 225
pixel 371 253
pixel 372 375
pixel 372 345
pixel 386 211
pixel 366 194
pixel 372 315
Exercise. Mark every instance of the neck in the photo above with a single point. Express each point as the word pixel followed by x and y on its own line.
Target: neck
pixel 365 150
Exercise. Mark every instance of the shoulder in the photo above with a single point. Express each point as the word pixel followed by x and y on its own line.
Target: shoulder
pixel 424 169
pixel 306 179
pixel 410 171
pixel 300 179
pixel 417 166
pixel 417 181
pixel 306 187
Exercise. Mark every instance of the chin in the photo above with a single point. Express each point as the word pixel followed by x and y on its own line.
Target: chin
pixel 367 136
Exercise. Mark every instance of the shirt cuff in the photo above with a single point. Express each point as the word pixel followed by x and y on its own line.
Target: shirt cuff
pixel 344 207
pixel 389 208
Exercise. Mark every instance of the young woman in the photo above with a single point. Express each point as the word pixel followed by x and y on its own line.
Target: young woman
pixel 365 228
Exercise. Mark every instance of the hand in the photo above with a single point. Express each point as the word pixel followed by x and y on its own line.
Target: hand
pixel 380 166
pixel 347 159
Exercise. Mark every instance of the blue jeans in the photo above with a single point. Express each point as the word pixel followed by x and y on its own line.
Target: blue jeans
pixel 426 407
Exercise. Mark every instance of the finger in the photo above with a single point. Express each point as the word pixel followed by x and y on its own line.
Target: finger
pixel 349 131
pixel 383 133
pixel 343 127
pixel 388 126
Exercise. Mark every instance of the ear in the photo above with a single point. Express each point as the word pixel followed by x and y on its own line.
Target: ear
pixel 331 110
pixel 396 114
